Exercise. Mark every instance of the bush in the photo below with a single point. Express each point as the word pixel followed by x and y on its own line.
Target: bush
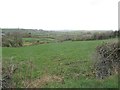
pixel 107 60
pixel 12 40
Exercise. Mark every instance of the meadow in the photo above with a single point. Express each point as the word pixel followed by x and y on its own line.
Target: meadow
pixel 67 64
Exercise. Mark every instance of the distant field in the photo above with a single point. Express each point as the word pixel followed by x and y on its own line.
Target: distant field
pixel 38 39
pixel 72 61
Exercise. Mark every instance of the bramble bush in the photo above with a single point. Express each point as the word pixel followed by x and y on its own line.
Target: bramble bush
pixel 107 59
pixel 12 40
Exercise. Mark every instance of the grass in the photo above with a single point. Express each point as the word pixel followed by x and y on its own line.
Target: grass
pixel 38 39
pixel 71 60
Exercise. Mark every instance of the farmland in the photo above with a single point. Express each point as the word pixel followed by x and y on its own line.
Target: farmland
pixel 67 64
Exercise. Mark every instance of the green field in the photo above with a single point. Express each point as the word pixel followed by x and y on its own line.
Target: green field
pixel 38 39
pixel 70 60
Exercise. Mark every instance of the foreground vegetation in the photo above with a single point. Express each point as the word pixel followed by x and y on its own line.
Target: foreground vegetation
pixel 67 64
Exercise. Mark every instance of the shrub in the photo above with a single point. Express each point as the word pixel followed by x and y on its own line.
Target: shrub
pixel 12 40
pixel 107 62
pixel 84 36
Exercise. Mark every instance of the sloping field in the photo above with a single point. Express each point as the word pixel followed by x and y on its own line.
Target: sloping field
pixel 67 64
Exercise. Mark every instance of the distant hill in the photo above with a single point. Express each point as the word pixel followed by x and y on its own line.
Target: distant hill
pixel 33 31
pixel 42 32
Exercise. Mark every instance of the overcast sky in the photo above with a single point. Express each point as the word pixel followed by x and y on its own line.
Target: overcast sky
pixel 59 14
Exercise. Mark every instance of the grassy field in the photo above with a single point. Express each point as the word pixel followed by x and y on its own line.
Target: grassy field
pixel 38 39
pixel 61 65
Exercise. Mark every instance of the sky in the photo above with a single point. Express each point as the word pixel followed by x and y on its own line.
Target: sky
pixel 59 14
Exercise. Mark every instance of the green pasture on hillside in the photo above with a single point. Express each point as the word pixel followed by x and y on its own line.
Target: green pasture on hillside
pixel 72 60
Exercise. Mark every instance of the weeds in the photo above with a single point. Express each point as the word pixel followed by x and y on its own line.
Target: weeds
pixel 16 74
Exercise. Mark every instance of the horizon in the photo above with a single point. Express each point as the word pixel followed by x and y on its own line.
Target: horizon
pixel 57 30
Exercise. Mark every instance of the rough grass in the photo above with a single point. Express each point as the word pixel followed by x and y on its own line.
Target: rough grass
pixel 70 60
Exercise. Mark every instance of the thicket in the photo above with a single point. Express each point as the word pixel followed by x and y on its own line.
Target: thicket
pixel 107 60
pixel 88 36
pixel 12 40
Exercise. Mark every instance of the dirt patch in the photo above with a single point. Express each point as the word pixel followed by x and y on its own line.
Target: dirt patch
pixel 39 83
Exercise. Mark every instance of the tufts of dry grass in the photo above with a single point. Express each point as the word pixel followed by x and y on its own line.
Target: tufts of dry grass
pixel 16 75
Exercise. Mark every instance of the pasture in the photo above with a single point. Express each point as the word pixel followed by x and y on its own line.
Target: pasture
pixel 67 64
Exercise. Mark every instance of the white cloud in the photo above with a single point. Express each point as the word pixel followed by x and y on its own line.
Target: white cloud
pixel 59 14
